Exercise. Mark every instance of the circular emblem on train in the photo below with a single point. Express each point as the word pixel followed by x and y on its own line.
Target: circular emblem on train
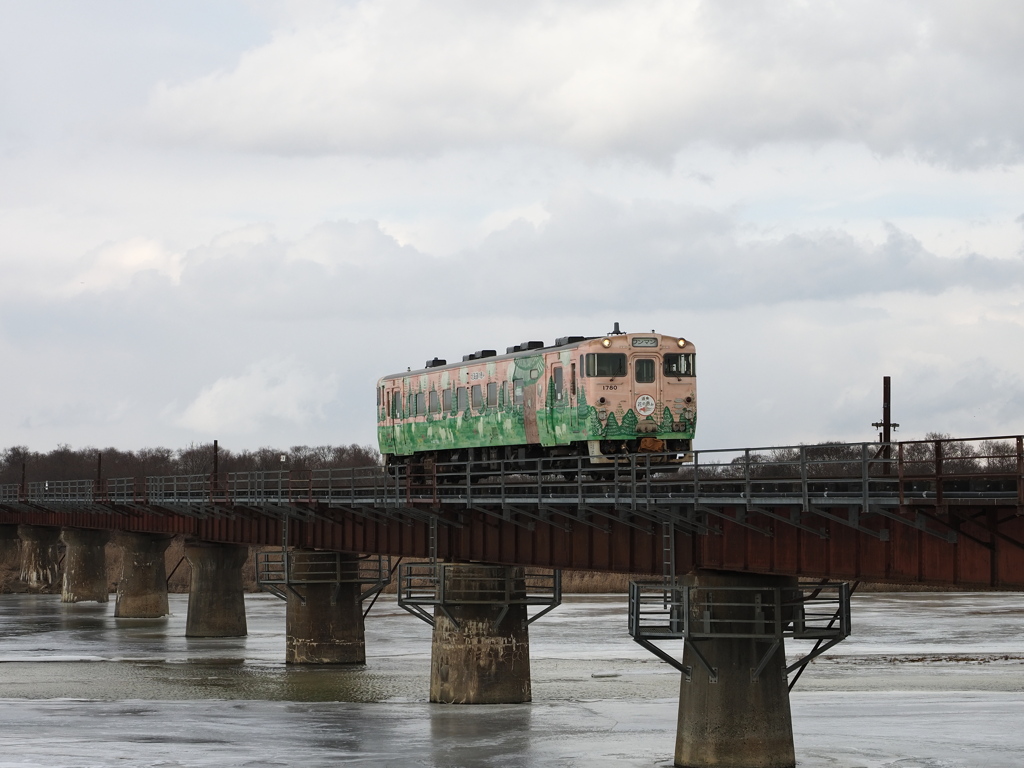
pixel 645 405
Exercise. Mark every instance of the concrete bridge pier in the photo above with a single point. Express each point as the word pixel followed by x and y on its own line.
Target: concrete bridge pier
pixel 10 547
pixel 85 566
pixel 734 721
pixel 216 596
pixel 324 622
pixel 142 588
pixel 40 556
pixel 481 645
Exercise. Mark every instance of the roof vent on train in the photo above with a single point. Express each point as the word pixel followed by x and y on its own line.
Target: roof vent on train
pixel 437 362
pixel 561 341
pixel 523 347
pixel 480 353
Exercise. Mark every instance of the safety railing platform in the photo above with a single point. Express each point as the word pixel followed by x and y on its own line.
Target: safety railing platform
pixel 423 586
pixel 659 611
pixel 281 571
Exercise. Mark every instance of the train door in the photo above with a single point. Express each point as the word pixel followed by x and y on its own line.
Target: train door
pixel 526 393
pixel 559 412
pixel 646 388
pixel 397 413
pixel 385 427
pixel 574 417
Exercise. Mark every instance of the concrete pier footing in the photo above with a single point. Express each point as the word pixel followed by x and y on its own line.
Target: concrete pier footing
pixel 475 658
pixel 142 588
pixel 216 597
pixel 734 721
pixel 40 556
pixel 324 622
pixel 85 566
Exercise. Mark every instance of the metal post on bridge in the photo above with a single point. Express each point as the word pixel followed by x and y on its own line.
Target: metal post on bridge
pixel 886 425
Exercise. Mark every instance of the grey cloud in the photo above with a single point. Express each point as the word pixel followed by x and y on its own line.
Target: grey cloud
pixel 935 79
pixel 591 250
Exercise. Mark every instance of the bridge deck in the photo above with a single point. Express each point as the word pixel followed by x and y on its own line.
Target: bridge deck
pixel 939 512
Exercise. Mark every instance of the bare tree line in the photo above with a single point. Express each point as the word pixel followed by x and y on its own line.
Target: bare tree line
pixel 66 463
pixel 834 459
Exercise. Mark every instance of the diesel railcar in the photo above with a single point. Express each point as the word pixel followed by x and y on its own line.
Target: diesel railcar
pixel 591 397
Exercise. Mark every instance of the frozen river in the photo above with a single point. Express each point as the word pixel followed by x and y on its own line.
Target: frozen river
pixel 926 681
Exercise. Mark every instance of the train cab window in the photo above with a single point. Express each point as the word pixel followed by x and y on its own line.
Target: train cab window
pixel 517 391
pixel 683 364
pixel 462 399
pixel 446 400
pixel 492 393
pixel 435 402
pixel 605 364
pixel 557 376
pixel 477 394
pixel 643 371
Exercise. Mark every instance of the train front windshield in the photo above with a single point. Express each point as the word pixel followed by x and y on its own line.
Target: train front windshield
pixel 606 364
pixel 682 364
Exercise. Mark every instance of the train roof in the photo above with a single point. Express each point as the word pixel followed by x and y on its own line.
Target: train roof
pixel 525 349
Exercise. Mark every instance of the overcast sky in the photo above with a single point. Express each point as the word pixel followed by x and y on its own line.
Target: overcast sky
pixel 227 220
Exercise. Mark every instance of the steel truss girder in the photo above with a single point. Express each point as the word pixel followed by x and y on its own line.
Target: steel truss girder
pixel 820 532
pixel 851 522
pixel 949 535
pixel 734 520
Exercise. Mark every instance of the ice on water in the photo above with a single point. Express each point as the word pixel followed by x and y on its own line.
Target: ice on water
pixel 926 681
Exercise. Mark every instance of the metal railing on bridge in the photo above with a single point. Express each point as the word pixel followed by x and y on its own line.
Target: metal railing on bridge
pixel 636 490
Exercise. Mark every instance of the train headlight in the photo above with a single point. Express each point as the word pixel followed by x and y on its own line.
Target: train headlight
pixel 606 343
pixel 682 342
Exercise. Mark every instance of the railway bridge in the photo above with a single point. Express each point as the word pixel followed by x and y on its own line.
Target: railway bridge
pixel 737 552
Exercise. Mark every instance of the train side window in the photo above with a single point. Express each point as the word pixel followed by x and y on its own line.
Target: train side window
pixel 557 375
pixel 410 405
pixel 683 364
pixel 503 394
pixel 396 402
pixel 572 380
pixel 462 398
pixel 446 397
pixel 421 403
pixel 477 396
pixel 607 364
pixel 492 393
pixel 517 391
pixel 435 403
pixel 643 370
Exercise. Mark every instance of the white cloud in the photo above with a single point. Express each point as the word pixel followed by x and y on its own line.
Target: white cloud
pixel 404 77
pixel 268 391
pixel 116 265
